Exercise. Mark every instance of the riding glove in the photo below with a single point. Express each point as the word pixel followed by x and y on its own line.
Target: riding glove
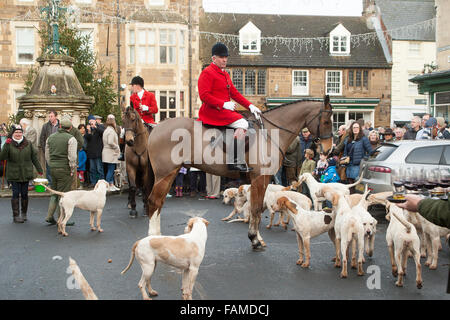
pixel 229 105
pixel 144 107
pixel 255 110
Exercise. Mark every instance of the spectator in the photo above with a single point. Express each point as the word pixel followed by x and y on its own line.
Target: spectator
pixel 442 130
pixel 212 186
pixel 308 166
pixel 28 131
pixel 341 132
pixel 111 150
pixel 94 149
pixel 81 168
pixel 429 132
pixel 381 133
pixel 291 161
pixel 374 139
pixel 425 118
pixel 306 142
pixel 61 155
pixel 357 146
pixel 399 133
pixel 339 150
pixel 411 133
pixel 98 120
pixel 179 182
pixel 388 135
pixel 48 128
pixel 322 165
pixel 21 156
pixel 369 126
pixel 197 180
pixel 330 174
pixel 363 126
pixel 3 134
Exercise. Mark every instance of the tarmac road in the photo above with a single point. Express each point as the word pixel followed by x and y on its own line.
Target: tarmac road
pixel 34 259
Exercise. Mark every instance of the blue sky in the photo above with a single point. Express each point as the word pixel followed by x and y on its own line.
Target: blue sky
pixel 300 7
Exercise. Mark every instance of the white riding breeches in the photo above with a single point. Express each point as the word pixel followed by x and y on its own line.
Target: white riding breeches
pixel 241 123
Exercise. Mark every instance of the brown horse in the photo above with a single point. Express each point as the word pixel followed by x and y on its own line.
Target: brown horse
pixel 138 167
pixel 167 154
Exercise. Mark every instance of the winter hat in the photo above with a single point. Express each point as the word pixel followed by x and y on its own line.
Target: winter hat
pixel 91 117
pixel 15 127
pixel 331 162
pixel 431 122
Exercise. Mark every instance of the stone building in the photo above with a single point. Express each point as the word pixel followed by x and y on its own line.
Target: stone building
pixel 280 58
pixel 158 40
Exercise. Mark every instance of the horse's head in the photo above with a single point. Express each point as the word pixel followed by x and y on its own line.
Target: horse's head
pixel 322 125
pixel 131 122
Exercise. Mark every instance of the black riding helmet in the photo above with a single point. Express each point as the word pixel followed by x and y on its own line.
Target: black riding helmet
pixel 137 80
pixel 220 50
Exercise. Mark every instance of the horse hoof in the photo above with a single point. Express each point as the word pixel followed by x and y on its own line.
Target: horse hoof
pixel 133 214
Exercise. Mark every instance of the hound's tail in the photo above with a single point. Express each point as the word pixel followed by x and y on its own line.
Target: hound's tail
pixel 356 183
pixel 81 280
pixel 402 221
pixel 133 249
pixel 52 191
pixel 237 220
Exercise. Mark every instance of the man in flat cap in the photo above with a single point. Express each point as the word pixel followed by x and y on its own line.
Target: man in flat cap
pixel 216 91
pixel 61 156
pixel 143 101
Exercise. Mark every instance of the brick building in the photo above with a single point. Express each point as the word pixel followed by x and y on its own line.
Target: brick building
pixel 158 41
pixel 274 59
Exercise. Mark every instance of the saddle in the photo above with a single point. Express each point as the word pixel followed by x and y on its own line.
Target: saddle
pixel 220 138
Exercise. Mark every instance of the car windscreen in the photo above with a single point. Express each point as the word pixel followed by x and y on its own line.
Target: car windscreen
pixel 383 152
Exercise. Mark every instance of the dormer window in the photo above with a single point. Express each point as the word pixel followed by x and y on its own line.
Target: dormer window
pixel 340 41
pixel 249 39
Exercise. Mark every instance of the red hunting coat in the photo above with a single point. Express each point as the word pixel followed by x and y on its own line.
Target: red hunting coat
pixel 149 100
pixel 215 88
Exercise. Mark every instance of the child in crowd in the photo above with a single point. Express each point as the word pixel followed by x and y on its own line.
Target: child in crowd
pixel 82 158
pixel 330 174
pixel 179 182
pixel 308 166
pixel 322 164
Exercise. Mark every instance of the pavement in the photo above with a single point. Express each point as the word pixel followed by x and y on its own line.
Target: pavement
pixel 34 259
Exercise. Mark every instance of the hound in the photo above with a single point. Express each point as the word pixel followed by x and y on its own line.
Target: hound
pixel 93 201
pixel 270 200
pixel 314 187
pixel 401 238
pixel 184 252
pixel 307 224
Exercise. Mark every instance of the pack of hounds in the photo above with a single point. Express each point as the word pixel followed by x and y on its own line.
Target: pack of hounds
pixel 348 224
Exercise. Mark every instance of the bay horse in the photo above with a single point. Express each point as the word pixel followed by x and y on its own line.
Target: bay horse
pixel 137 162
pixel 286 121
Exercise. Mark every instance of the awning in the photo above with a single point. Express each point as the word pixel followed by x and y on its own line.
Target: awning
pixel 337 103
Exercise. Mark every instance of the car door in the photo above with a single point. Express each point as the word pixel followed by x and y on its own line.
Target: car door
pixel 426 157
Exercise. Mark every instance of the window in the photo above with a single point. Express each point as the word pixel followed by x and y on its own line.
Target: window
pixel 83 1
pixel 167 105
pixel 425 155
pixel 249 81
pixel 300 85
pixel 358 79
pixel 167 46
pixel 338 120
pixel 156 2
pixel 17 94
pixel 146 45
pixel 131 46
pixel 89 33
pixel 249 39
pixel 262 82
pixel 414 49
pixel 25 45
pixel 340 41
pixel 182 48
pixel 334 82
pixel 412 87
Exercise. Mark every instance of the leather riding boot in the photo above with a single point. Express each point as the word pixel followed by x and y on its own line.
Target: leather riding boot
pixel 238 164
pixel 24 208
pixel 15 210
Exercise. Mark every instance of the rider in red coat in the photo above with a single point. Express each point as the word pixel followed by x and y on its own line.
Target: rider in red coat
pixel 144 102
pixel 216 91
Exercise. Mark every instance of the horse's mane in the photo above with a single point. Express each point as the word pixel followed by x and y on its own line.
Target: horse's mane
pixel 292 102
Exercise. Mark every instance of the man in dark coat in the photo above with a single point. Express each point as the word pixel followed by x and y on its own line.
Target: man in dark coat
pixel 94 140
